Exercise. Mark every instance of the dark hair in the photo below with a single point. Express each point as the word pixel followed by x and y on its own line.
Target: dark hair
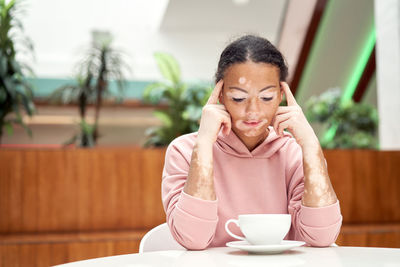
pixel 254 48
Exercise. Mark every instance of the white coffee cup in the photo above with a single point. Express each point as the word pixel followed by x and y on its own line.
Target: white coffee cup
pixel 261 229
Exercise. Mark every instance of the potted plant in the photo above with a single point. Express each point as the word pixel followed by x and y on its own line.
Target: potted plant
pixel 354 125
pixel 15 91
pixel 101 64
pixel 183 102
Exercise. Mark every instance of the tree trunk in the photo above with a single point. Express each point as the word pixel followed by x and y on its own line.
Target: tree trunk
pixel 1 132
pixel 100 87
pixel 83 96
pixel 2 119
pixel 82 105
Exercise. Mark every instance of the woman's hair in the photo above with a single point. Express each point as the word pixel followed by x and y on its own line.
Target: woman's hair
pixel 253 48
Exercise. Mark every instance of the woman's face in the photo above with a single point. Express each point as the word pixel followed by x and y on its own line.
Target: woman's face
pixel 251 94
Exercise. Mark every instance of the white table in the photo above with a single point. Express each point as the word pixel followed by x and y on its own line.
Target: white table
pixel 224 256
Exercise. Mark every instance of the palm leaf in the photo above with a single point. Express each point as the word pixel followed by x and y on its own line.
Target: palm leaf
pixel 154 92
pixel 168 66
pixel 163 117
pixel 9 128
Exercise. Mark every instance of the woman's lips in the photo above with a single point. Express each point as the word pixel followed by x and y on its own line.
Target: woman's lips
pixel 252 123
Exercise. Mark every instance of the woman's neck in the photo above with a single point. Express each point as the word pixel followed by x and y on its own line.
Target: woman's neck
pixel 251 142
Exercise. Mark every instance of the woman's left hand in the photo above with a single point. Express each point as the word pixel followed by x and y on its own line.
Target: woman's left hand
pixel 291 117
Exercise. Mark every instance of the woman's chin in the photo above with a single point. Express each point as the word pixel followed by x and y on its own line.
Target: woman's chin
pixel 253 133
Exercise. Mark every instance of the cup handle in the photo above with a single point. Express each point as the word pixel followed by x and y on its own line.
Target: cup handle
pixel 229 232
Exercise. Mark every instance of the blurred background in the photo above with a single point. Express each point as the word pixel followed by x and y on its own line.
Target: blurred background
pixel 92 92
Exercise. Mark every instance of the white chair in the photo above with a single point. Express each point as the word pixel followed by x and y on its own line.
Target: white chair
pixel 159 238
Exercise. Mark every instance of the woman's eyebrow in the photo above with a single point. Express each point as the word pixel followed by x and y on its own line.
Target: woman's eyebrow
pixel 268 87
pixel 243 90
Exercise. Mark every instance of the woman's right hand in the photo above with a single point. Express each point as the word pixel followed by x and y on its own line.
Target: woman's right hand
pixel 213 117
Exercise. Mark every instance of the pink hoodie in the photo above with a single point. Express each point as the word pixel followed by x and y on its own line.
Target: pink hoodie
pixel 269 179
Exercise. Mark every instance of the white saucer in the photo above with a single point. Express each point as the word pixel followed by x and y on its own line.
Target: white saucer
pixel 265 249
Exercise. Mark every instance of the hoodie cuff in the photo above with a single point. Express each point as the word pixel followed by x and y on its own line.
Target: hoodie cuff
pixel 321 216
pixel 197 207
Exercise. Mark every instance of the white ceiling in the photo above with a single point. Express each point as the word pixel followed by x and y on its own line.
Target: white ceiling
pixel 256 16
pixel 194 31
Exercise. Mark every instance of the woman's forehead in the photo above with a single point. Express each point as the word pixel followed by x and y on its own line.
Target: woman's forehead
pixel 251 72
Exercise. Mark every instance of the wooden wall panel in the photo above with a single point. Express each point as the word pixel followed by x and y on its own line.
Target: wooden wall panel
pixel 52 253
pixel 51 249
pixel 68 193
pixel 367 235
pixel 119 188
pixel 80 189
pixel 367 183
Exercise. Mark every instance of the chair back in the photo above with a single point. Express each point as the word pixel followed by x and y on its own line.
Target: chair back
pixel 159 238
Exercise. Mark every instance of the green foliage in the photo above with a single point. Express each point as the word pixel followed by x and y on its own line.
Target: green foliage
pixel 85 136
pixel 16 93
pixel 356 122
pixel 184 103
pixel 101 64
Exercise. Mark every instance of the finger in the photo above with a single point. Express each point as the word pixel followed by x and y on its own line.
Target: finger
pixel 286 109
pixel 224 118
pixel 289 96
pixel 283 125
pixel 222 112
pixel 218 106
pixel 280 118
pixel 227 125
pixel 277 124
pixel 213 99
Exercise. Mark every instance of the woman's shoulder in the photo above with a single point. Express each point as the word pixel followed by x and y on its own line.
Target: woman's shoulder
pixel 184 142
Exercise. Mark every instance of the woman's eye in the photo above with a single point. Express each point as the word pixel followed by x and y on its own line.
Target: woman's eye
pixel 238 99
pixel 266 98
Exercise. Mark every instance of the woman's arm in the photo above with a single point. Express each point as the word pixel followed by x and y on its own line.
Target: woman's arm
pixel 192 214
pixel 317 226
pixel 200 181
pixel 192 220
pixel 318 190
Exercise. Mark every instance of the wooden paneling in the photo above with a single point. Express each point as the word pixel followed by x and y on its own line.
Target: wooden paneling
pixel 367 184
pixel 80 189
pixel 367 235
pixel 51 249
pixel 62 205
pixel 119 188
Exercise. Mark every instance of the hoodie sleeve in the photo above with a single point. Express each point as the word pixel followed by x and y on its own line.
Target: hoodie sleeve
pixel 192 220
pixel 317 227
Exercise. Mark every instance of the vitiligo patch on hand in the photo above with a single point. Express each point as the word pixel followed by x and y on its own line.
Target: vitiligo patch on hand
pixel 202 167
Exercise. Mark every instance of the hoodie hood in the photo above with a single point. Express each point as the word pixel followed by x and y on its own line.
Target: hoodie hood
pixel 232 144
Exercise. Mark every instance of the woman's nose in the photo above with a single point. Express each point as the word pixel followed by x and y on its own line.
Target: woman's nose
pixel 253 106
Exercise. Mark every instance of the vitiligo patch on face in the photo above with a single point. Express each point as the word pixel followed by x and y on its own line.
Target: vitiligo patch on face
pixel 242 80
pixel 229 94
pixel 248 130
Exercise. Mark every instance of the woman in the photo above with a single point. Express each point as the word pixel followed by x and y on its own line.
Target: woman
pixel 241 161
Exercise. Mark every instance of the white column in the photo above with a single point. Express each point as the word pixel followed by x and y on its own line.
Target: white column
pixel 387 23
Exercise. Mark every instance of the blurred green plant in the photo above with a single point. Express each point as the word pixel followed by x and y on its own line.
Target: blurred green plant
pixel 356 122
pixel 15 91
pixel 101 64
pixel 84 137
pixel 184 103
